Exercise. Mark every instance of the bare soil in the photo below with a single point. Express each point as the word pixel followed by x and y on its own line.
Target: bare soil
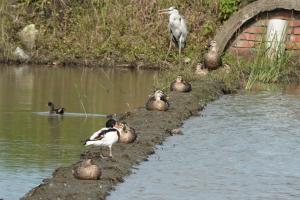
pixel 152 128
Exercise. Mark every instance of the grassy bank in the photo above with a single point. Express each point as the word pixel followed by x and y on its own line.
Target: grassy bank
pixel 127 32
pixel 109 31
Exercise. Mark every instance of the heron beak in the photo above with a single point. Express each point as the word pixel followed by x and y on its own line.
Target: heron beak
pixel 163 11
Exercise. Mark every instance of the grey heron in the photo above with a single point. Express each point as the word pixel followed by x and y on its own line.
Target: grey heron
pixel 177 27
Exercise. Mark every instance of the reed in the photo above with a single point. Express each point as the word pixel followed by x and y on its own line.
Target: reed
pixel 80 100
pixel 269 62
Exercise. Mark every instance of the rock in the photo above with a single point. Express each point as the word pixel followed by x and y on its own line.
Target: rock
pixel 19 53
pixel 28 36
pixel 187 60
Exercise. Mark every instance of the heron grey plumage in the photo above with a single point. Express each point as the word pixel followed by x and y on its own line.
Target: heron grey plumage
pixel 177 27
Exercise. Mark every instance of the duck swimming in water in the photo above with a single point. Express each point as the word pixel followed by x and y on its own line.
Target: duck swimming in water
pixel 180 85
pixel 87 171
pixel 53 110
pixel 106 136
pixel 158 101
pixel 127 133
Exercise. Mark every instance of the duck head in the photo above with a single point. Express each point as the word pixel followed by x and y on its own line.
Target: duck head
pixel 179 79
pixel 110 123
pixel 87 162
pixel 158 94
pixel 213 43
pixel 213 46
pixel 51 105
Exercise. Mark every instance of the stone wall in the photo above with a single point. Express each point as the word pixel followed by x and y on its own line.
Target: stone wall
pixel 248 26
pixel 253 32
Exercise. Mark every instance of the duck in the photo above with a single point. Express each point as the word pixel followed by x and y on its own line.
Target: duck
pixel 127 133
pixel 53 110
pixel 106 136
pixel 212 59
pixel 87 171
pixel 201 70
pixel 179 85
pixel 158 101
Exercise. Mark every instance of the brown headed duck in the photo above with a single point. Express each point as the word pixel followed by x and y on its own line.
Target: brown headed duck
pixel 180 85
pixel 158 101
pixel 212 60
pixel 53 110
pixel 87 171
pixel 127 133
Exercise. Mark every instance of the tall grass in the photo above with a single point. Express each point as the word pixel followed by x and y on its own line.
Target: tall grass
pixel 5 28
pixel 269 61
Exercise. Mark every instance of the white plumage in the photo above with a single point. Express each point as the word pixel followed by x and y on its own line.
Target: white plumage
pixel 104 137
pixel 177 27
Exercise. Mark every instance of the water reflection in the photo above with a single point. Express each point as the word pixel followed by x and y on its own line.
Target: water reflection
pixel 32 143
pixel 244 147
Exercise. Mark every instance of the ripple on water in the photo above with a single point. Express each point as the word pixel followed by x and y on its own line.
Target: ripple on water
pixel 244 147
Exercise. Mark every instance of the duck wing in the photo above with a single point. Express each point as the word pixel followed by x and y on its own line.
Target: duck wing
pixel 188 86
pixel 172 85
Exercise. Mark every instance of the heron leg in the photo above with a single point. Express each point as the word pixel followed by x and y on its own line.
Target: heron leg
pixel 179 48
pixel 170 46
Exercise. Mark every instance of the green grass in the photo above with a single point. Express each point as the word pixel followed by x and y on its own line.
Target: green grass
pixel 124 30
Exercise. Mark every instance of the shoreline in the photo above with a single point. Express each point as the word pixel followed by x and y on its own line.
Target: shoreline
pixel 152 127
pixel 83 63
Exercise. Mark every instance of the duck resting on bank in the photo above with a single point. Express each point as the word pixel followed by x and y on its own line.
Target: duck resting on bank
pixel 179 85
pixel 52 109
pixel 87 171
pixel 105 137
pixel 158 101
pixel 127 133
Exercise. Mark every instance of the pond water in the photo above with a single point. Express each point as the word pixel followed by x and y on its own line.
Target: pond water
pixel 246 146
pixel 32 143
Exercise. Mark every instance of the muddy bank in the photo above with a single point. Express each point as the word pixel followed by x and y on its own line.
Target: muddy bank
pixel 104 63
pixel 152 128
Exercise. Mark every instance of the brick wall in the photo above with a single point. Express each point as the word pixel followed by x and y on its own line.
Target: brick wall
pixel 253 33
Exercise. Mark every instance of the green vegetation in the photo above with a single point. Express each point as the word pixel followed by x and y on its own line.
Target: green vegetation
pixel 227 7
pixel 260 70
pixel 109 32
pixel 105 31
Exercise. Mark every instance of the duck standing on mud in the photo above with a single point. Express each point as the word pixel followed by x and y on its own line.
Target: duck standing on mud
pixel 87 171
pixel 158 101
pixel 53 110
pixel 212 60
pixel 106 136
pixel 179 85
pixel 127 133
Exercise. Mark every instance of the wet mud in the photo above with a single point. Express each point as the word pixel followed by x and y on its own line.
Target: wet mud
pixel 152 127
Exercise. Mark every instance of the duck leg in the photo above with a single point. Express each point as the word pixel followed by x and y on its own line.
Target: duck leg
pixel 110 152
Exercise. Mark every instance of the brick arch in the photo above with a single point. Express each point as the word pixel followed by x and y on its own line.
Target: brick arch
pixel 232 26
